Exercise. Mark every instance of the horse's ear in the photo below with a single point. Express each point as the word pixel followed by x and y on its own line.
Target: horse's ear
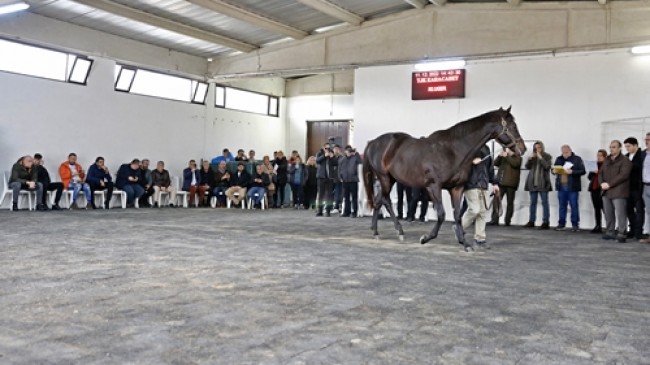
pixel 508 110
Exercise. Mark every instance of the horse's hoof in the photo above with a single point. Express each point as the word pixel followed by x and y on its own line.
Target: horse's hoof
pixel 423 240
pixel 376 237
pixel 401 237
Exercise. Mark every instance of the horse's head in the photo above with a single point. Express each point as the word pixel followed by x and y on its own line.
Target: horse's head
pixel 508 133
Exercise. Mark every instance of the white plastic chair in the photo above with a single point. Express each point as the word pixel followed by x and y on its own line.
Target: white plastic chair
pixel 180 194
pixel 229 202
pixel 263 203
pixel 23 193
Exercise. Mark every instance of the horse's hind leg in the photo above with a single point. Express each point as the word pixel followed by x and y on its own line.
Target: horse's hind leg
pixel 375 215
pixel 398 226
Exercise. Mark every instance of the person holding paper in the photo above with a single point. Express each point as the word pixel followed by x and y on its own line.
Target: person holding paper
pixel 538 183
pixel 568 168
pixel 615 185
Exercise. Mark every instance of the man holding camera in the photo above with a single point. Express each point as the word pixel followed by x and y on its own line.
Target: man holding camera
pixel 325 173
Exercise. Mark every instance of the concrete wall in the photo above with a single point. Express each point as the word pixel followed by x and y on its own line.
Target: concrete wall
pixel 55 118
pixel 558 100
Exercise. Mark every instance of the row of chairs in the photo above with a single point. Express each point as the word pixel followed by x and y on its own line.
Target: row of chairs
pixel 100 197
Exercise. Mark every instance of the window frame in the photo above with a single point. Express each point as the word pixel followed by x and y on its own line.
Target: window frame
pixel 268 100
pixel 74 64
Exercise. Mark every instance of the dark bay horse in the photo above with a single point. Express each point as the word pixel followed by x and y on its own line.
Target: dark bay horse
pixel 440 161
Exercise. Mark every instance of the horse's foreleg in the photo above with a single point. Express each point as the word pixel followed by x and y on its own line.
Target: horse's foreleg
pixel 398 226
pixel 456 201
pixel 375 216
pixel 435 195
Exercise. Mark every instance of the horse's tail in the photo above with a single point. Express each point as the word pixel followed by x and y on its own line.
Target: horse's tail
pixel 368 177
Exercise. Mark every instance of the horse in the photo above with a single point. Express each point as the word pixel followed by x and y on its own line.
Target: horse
pixel 440 161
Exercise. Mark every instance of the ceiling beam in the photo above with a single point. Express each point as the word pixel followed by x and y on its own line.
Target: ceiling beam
pixel 170 25
pixel 238 13
pixel 335 11
pixel 420 4
pixel 438 2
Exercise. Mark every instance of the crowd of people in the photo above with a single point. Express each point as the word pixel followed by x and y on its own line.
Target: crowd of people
pixel 619 185
pixel 331 174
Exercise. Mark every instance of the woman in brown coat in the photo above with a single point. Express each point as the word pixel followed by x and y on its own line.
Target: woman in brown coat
pixel 614 183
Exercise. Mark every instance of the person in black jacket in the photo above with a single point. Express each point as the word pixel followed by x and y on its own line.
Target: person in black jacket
pixel 48 185
pixel 206 183
pixel 239 182
pixel 257 186
pixel 311 186
pixel 146 181
pixel 569 169
pixel 25 177
pixel 476 192
pixel 99 178
pixel 596 192
pixel 128 177
pixel 325 161
pixel 282 176
pixel 635 205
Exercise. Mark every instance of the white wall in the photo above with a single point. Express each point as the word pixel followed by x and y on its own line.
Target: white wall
pixel 558 100
pixel 55 118
pixel 301 109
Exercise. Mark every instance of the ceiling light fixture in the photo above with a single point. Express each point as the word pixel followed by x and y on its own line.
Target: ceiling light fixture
pixel 13 7
pixel 439 65
pixel 641 49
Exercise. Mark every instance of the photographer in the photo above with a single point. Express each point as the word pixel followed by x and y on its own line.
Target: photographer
pixel 324 174
pixel 349 173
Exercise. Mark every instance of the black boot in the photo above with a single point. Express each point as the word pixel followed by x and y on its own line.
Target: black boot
pixel 14 206
pixel 597 230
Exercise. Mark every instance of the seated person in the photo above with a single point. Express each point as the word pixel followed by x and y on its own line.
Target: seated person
pixel 48 185
pixel 221 184
pixel 206 182
pixel 162 183
pixel 25 177
pixel 72 177
pixel 128 180
pixel 226 156
pixel 146 182
pixel 99 178
pixel 191 179
pixel 257 186
pixel 238 184
pixel 241 156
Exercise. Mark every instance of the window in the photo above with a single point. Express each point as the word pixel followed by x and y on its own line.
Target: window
pixel 41 62
pixel 150 83
pixel 247 101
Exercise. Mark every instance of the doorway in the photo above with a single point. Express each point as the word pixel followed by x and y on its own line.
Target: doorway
pixel 319 132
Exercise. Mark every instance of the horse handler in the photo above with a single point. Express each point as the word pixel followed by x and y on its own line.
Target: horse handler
pixel 476 195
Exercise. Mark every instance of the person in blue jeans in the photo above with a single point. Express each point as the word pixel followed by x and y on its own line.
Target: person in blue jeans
pixel 257 186
pixel 128 180
pixel 568 168
pixel 538 183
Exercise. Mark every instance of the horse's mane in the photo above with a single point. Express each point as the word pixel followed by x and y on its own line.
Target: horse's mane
pixel 462 129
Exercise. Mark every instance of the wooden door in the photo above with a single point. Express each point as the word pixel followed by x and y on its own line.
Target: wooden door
pixel 319 132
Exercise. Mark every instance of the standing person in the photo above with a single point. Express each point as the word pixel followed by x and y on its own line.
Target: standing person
pixel 72 177
pixel 239 182
pixel 282 176
pixel 509 165
pixel 476 191
pixel 349 173
pixel 146 181
pixel 420 195
pixel 311 187
pixel 257 186
pixel 251 156
pixel 538 184
pixel 162 183
pixel 99 178
pixel 225 156
pixel 128 180
pixel 596 193
pixel 191 179
pixel 324 159
pixel 297 179
pixel 25 177
pixel 48 185
pixel 645 176
pixel 635 206
pixel 614 182
pixel 401 190
pixel 569 168
pixel 336 182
